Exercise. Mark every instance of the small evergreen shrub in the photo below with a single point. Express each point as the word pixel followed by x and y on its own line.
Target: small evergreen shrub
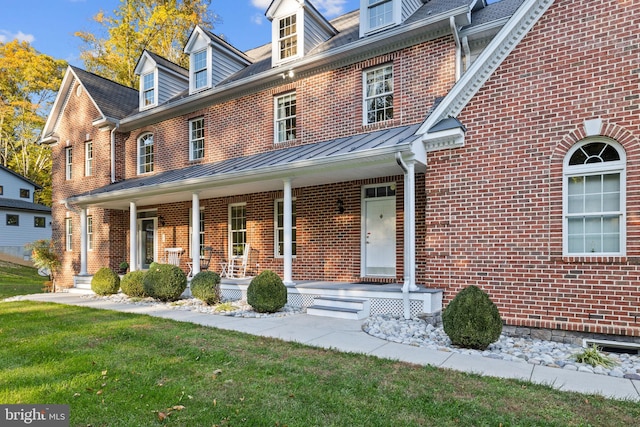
pixel 132 284
pixel 266 292
pixel 206 287
pixel 472 320
pixel 164 282
pixel 105 282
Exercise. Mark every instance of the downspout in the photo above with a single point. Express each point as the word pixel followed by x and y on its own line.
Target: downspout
pixel 113 152
pixel 467 52
pixel 407 276
pixel 456 38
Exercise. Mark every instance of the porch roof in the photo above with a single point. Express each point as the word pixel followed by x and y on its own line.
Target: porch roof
pixel 367 155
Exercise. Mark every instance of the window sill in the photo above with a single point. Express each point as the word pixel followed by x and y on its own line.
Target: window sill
pixel 601 259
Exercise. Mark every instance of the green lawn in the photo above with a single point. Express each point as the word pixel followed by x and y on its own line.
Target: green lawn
pixel 18 280
pixel 119 369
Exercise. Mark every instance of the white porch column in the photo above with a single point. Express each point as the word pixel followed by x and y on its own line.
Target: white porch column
pixel 133 236
pixel 288 233
pixel 195 234
pixel 410 225
pixel 83 242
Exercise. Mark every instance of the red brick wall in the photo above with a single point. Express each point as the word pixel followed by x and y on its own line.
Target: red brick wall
pixel 494 207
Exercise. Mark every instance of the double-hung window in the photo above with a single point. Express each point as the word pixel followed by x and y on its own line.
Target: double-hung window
pixel 279 227
pixel 89 233
pixel 200 69
pixel 68 162
pixel 88 158
pixel 378 94
pixel 379 13
pixel 285 123
pixel 68 228
pixel 196 139
pixel 145 153
pixel 148 89
pixel 288 37
pixel 237 229
pixel 594 199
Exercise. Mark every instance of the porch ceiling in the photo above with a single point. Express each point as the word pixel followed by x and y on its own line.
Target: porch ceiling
pixel 357 157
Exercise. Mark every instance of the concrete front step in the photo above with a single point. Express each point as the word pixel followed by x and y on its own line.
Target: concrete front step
pixel 341 308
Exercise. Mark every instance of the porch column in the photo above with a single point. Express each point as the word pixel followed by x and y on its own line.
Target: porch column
pixel 195 234
pixel 83 242
pixel 133 236
pixel 288 232
pixel 410 227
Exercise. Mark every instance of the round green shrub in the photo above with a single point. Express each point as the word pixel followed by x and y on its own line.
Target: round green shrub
pixel 105 282
pixel 266 292
pixel 164 282
pixel 206 287
pixel 472 320
pixel 132 284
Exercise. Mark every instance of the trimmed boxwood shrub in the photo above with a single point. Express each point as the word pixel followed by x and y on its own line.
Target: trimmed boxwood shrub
pixel 472 320
pixel 206 287
pixel 131 284
pixel 266 292
pixel 105 282
pixel 164 282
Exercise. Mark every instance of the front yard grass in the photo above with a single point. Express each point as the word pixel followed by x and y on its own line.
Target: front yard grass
pixel 121 369
pixel 19 280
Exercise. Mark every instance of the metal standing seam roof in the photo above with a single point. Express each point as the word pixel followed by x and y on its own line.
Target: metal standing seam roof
pixel 334 149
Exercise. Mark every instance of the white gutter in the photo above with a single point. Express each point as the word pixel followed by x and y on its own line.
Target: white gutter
pixel 108 123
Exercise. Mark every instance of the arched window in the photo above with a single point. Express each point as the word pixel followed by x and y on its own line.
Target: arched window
pixel 594 199
pixel 145 153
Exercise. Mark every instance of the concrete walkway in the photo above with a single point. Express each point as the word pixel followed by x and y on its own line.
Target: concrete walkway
pixel 347 336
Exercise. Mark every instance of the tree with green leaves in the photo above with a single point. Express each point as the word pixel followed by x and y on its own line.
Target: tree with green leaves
pixel 28 84
pixel 160 26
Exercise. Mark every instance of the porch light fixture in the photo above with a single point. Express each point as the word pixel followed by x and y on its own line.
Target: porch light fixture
pixel 340 206
pixel 161 220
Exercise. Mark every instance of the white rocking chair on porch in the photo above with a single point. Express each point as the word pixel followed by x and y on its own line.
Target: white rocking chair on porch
pixel 236 267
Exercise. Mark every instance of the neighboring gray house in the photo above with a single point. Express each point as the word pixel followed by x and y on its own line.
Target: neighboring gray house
pixel 21 220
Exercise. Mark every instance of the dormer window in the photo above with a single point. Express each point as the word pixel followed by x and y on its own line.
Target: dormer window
pixel 288 37
pixel 376 15
pixel 148 89
pixel 199 69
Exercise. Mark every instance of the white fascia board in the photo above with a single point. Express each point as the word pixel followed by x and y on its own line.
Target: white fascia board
pixel 372 42
pixel 450 138
pixel 288 170
pixel 491 57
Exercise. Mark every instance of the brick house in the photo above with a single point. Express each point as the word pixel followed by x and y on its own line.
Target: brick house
pixel 423 145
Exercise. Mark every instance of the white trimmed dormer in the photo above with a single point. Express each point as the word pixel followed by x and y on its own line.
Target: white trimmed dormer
pixel 211 60
pixel 160 80
pixel 296 28
pixel 378 15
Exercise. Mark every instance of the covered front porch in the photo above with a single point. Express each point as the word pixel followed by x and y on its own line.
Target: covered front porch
pixel 350 229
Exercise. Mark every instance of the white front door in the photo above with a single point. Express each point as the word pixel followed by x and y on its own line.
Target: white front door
pixel 379 237
pixel 147 247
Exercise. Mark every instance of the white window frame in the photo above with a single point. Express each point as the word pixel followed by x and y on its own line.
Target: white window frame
pixel 88 158
pixel 146 166
pixel 283 37
pixel 285 123
pixel 367 7
pixel 366 97
pixel 202 231
pixel 595 169
pixel 196 153
pixel 145 89
pixel 89 232
pixel 68 162
pixel 234 243
pixel 68 232
pixel 197 70
pixel 277 229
